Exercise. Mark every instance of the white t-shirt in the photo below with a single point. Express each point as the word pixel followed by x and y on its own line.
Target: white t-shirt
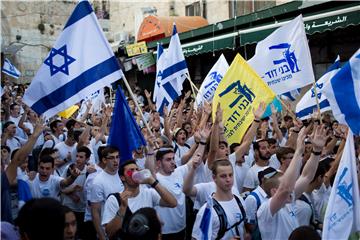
pixel 277 226
pixel 146 198
pixel 252 180
pixel 40 140
pixel 174 219
pixel 95 146
pixel 274 162
pixel 180 152
pixel 63 152
pixel 15 143
pixel 87 191
pixel 251 204
pixel 67 201
pixel 140 162
pixel 103 185
pixel 233 214
pixel 204 190
pixel 240 172
pixel 50 188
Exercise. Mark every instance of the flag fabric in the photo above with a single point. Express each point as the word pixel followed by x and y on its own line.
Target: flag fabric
pixel 24 192
pixel 283 59
pixel 342 216
pixel 10 69
pixel 291 96
pixel 343 93
pixel 238 93
pixel 80 63
pixel 97 99
pixel 305 107
pixel 211 81
pixel 171 71
pixel 206 220
pixel 67 113
pixel 125 133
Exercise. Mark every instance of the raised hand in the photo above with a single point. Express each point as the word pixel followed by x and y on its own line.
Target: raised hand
pixel 219 114
pixel 147 94
pixel 300 142
pixel 318 137
pixel 259 111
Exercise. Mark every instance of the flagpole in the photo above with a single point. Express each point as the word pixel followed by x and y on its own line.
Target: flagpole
pixel 317 101
pixel 287 108
pixel 138 107
pixel 194 86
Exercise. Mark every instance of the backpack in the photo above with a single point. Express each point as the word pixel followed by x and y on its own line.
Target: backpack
pixel 223 218
pixel 313 222
pixel 122 232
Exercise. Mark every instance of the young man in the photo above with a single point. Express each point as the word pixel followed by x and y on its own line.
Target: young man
pixel 280 209
pixel 45 184
pixel 133 198
pixel 105 183
pixel 232 206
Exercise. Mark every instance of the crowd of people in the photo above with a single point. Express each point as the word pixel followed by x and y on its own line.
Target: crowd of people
pixel 60 179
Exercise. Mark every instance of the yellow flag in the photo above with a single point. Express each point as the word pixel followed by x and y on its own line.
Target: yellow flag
pixel 67 113
pixel 240 90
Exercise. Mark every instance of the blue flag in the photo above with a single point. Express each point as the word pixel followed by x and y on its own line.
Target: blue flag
pixel 24 193
pixel 343 94
pixel 125 133
pixel 10 69
pixel 80 63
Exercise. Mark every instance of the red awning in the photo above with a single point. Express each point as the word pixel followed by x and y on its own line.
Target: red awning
pixel 153 27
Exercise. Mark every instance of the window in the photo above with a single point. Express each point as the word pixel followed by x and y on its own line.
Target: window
pixel 239 8
pixel 193 9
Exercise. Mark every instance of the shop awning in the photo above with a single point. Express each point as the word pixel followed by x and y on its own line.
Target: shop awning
pixel 317 19
pixel 153 27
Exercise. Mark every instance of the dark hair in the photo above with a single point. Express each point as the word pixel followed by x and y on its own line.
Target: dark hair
pixel 162 152
pixel 143 224
pixel 224 142
pixel 8 123
pixel 320 171
pixel 84 149
pixel 13 105
pixel 282 151
pixel 70 124
pixel 304 232
pixel 123 165
pixel 99 152
pixel 256 144
pixel 108 150
pixel 5 147
pixel 271 141
pixel 41 219
pixel 287 117
pixel 219 163
pixel 53 124
pixel 47 152
pixel 13 153
pixel 233 146
pixel 47 159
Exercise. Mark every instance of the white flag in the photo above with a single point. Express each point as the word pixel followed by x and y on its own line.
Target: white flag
pixel 307 104
pixel 283 59
pixel 211 81
pixel 80 63
pixel 343 94
pixel 342 216
pixel 10 69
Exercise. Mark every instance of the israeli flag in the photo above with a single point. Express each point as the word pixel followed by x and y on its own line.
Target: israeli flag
pixel 211 81
pixel 307 104
pixel 171 72
pixel 291 96
pixel 206 220
pixel 10 69
pixel 342 216
pixel 283 59
pixel 343 94
pixel 80 63
pixel 97 100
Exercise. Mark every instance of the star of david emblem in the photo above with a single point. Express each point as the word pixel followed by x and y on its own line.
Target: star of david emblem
pixel 319 86
pixel 59 61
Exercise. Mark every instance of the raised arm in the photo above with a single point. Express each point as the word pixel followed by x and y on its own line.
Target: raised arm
pixel 214 139
pixel 276 128
pixel 318 139
pixel 288 180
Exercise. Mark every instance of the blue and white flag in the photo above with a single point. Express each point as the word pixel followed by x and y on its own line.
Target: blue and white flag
pixel 125 133
pixel 291 96
pixel 206 221
pixel 171 72
pixel 342 216
pixel 80 63
pixel 283 59
pixel 97 99
pixel 307 104
pixel 343 94
pixel 211 81
pixel 24 192
pixel 10 69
